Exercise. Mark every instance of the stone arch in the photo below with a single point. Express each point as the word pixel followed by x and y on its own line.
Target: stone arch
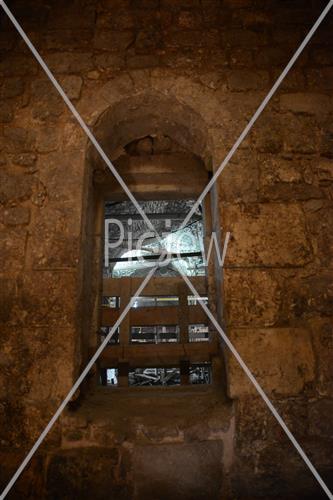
pixel 145 113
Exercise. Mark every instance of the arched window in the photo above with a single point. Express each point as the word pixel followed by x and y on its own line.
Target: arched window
pixel 165 339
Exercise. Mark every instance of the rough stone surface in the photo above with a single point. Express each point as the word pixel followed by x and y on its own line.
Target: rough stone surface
pixel 172 469
pixel 281 359
pixel 190 73
pixel 261 235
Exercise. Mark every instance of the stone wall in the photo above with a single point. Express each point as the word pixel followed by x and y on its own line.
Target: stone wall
pixel 207 64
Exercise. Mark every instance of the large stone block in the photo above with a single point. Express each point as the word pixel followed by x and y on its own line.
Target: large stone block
pixel 59 227
pixel 19 139
pixel 85 474
pixel 242 80
pixel 281 359
pixel 72 85
pixel 238 37
pixel 115 19
pixel 67 39
pixel 308 295
pixel 239 181
pixel 7 302
pixel 18 65
pixel 48 139
pixel 46 102
pixel 30 483
pixel 113 41
pixel 301 134
pixel 179 471
pixel 16 216
pixel 252 298
pixel 6 112
pixel 12 250
pixel 287 180
pixel 48 298
pixel 70 62
pixel 320 79
pixel 309 103
pixel 14 187
pixel 12 87
pixel 319 219
pixel 322 334
pixel 52 361
pixel 267 234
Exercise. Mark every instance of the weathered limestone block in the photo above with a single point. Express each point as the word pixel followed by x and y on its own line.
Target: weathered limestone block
pixel 35 418
pixel 322 334
pixel 147 42
pixel 62 174
pixel 158 434
pixel 46 102
pixel 301 134
pixel 67 39
pixel 325 170
pixel 7 300
pixel 107 61
pixel 72 85
pixel 295 80
pixel 309 103
pixel 19 139
pixel 30 483
pixel 69 62
pixel 60 227
pixel 24 159
pixel 239 181
pixel 326 142
pixel 267 462
pixel 320 79
pixel 188 19
pixel 12 250
pixel 179 471
pixel 267 57
pixel 242 80
pixel 320 413
pixel 72 17
pixel 48 299
pixel 18 65
pixel 285 180
pixel 6 112
pixel 93 471
pixel 115 19
pixel 11 87
pixel 51 369
pixel 16 216
pixel 319 220
pixel 142 61
pixel 237 37
pixel 113 41
pixel 48 139
pixel 307 296
pixel 14 187
pixel 266 234
pixel 281 359
pixel 267 135
pixel 321 55
pixel 252 297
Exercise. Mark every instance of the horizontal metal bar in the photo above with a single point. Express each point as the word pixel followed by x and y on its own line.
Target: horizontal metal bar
pixel 155 257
